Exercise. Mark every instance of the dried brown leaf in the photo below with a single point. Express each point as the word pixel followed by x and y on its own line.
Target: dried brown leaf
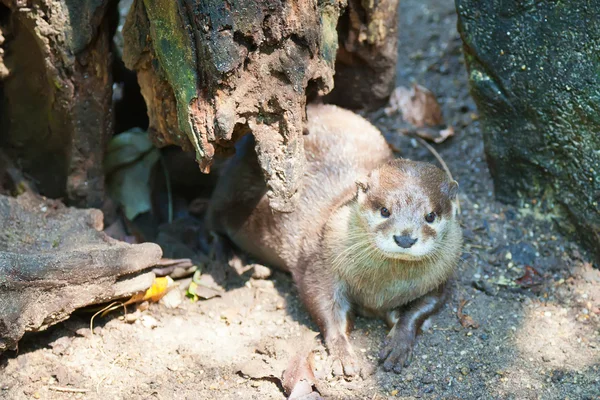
pixel 465 320
pixel 417 105
pixel 530 278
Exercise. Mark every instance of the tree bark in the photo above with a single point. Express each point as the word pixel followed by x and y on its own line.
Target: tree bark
pixel 535 76
pixel 55 259
pixel 55 98
pixel 365 67
pixel 212 71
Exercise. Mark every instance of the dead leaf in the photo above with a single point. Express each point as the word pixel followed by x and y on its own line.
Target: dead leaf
pixel 417 105
pixel 159 288
pixel 531 278
pixel 166 266
pixel 298 378
pixel 435 135
pixel 203 287
pixel 196 292
pixel 465 320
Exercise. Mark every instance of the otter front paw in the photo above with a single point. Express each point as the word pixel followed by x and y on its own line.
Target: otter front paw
pixel 397 350
pixel 344 360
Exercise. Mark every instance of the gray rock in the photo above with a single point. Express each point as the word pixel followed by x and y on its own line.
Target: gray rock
pixel 534 77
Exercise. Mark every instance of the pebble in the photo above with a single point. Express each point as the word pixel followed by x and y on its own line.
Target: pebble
pixel 464 371
pixel 149 321
pixel 429 389
pixel 172 299
pixel 261 272
pixel 131 318
pixel 427 379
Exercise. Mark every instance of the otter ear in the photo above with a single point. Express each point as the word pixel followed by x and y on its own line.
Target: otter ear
pixel 362 187
pixel 451 190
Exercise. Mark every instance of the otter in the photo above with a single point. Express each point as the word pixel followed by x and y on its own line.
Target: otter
pixel 371 234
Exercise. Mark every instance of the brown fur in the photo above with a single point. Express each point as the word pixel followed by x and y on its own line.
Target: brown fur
pixel 338 247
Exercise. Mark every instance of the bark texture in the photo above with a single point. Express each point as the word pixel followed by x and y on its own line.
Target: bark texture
pixel 365 67
pixel 55 93
pixel 55 259
pixel 212 71
pixel 535 76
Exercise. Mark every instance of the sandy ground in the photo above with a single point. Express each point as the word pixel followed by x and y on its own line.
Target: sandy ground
pixel 537 343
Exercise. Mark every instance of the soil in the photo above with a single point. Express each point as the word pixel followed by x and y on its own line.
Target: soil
pixel 538 342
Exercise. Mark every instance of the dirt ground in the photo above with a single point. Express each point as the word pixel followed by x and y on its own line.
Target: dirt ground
pixel 530 343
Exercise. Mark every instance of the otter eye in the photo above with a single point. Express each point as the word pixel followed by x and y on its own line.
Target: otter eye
pixel 385 212
pixel 430 217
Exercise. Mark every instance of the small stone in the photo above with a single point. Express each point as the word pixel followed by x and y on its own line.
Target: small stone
pixel 172 299
pixel 545 358
pixel 149 322
pixel 394 392
pixel 261 272
pixel 464 371
pixel 427 379
pixel 409 377
pixel 131 318
pixel 547 314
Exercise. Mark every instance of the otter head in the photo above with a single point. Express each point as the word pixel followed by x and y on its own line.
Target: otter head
pixel 407 208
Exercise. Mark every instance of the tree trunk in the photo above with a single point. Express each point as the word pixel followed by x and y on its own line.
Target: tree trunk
pixel 55 98
pixel 535 76
pixel 212 71
pixel 365 68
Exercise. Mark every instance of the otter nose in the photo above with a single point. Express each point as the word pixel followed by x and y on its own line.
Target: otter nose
pixel 404 241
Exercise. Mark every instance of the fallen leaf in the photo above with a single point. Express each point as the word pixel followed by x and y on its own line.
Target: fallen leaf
pixel 298 378
pixel 435 135
pixel 129 159
pixel 196 292
pixel 417 105
pixel 159 288
pixel 166 266
pixel 531 278
pixel 465 320
pixel 203 287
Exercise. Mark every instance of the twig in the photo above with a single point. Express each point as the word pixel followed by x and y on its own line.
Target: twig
pixel 440 160
pixel 67 389
pixel 111 306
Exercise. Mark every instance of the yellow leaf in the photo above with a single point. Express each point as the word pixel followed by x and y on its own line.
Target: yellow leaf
pixel 158 289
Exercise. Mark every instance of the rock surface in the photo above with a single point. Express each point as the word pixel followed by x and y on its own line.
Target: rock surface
pixel 534 74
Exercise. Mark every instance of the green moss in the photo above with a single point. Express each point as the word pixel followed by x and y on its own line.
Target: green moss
pixel 175 50
pixel 329 15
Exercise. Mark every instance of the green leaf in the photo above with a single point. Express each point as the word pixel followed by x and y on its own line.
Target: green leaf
pixel 128 163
